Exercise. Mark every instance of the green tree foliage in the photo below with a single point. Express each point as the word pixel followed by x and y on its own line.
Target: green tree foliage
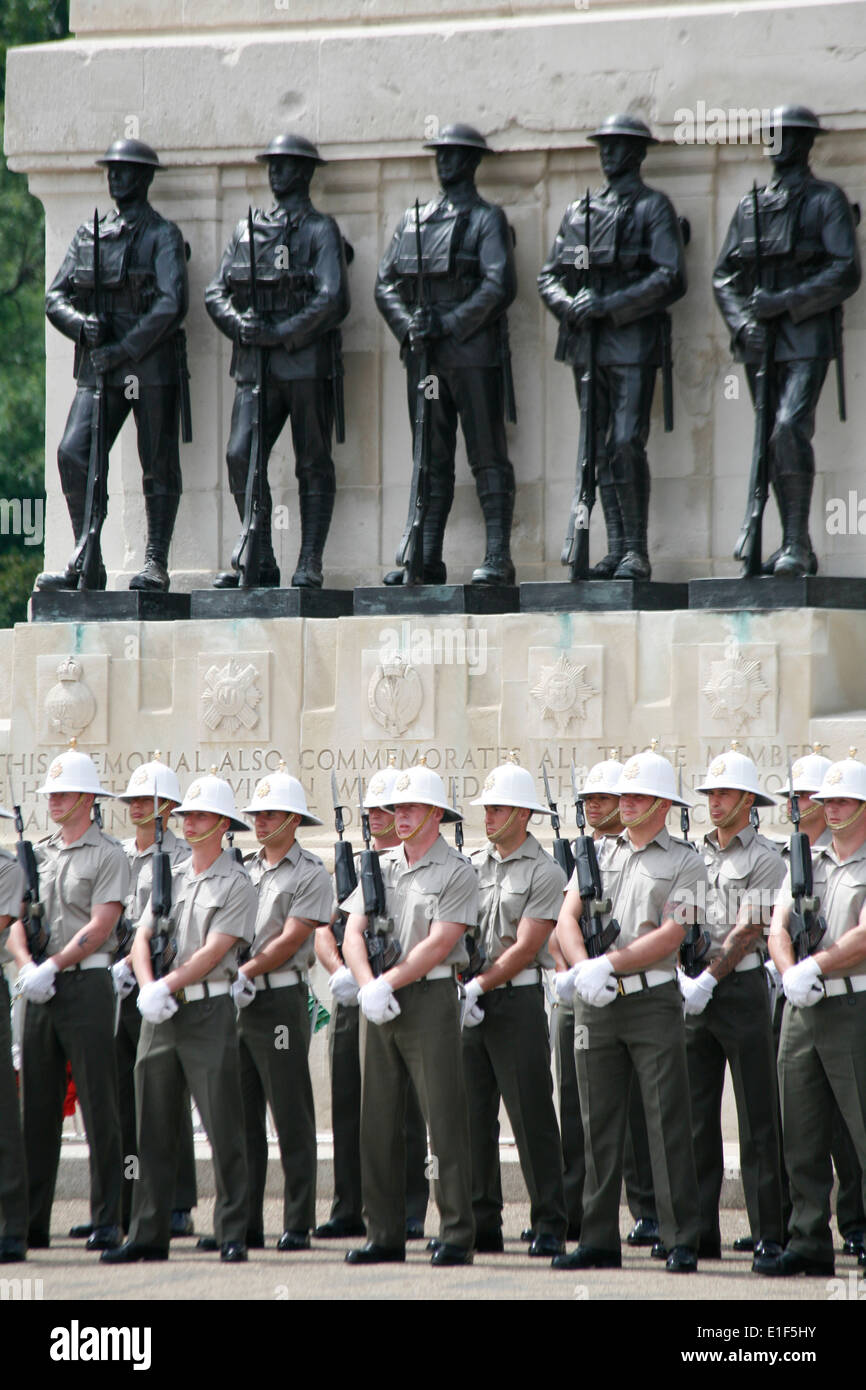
pixel 22 326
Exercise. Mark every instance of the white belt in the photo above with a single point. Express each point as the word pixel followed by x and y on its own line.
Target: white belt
pixel 849 984
pixel 750 962
pixel 530 976
pixel 277 978
pixel 193 993
pixel 439 972
pixel 94 962
pixel 643 979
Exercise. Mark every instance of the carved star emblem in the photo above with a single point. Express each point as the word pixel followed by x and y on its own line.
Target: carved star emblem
pixel 561 693
pixel 735 689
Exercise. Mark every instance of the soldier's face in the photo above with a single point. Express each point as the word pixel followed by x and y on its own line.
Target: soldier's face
pixel 61 803
pixel 722 801
pixel 632 807
pixel 619 154
pixel 288 173
pixel 454 163
pixel 409 815
pixel 126 181
pixel 599 807
pixel 200 825
pixel 141 809
pixel 807 806
pixel 791 148
pixel 838 809
pixel 496 817
pixel 380 820
pixel 266 822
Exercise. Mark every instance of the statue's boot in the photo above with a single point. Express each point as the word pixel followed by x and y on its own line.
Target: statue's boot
pixel 794 491
pixel 316 509
pixel 633 498
pixel 497 505
pixel 606 568
pixel 769 566
pixel 269 577
pixel 68 578
pixel 161 510
pixel 435 518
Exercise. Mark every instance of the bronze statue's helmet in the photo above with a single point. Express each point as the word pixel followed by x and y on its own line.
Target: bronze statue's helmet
pixel 624 124
pixel 130 152
pixel 796 118
pixel 459 134
pixel 296 146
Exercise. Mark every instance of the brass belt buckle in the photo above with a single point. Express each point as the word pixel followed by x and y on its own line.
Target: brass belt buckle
pixel 620 987
pixel 180 996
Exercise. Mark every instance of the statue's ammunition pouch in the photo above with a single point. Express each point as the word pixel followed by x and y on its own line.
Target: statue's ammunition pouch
pixel 280 287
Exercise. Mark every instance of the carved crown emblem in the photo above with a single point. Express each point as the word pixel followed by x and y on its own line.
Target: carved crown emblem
pixel 263 789
pixel 194 791
pixel 402 783
pixel 717 768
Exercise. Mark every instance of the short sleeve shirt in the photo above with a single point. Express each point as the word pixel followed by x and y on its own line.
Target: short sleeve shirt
pixel 298 886
pixel 11 894
pixel 221 899
pixel 74 878
pixel 841 888
pixel 747 872
pixel 141 870
pixel 526 883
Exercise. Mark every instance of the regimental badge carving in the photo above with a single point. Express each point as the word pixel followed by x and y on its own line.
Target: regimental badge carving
pixel 231 697
pixel 735 689
pixel 70 704
pixel 395 695
pixel 561 693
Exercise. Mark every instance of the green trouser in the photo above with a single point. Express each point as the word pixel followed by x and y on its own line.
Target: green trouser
pixel 76 1025
pixel 13 1174
pixel 343 1030
pixel 126 1047
pixel 822 1067
pixel 637 1038
pixel 507 1057
pixel 735 1028
pixel 636 1165
pixel 423 1046
pixel 274 1036
pixel 196 1047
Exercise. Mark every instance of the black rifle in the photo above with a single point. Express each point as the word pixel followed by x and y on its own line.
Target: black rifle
pixel 33 911
pixel 183 385
pixel 561 848
pixel 162 948
pixel 474 950
pixel 97 816
pixel 344 863
pixel 696 943
pixel 236 853
pixel 597 937
pixel 575 551
pixel 87 558
pixel 247 554
pixel 754 818
pixel 383 951
pixel 411 551
pixel 806 925
pixel 750 540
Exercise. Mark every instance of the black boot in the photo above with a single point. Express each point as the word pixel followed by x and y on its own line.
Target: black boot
pixel 68 578
pixel 606 568
pixel 633 498
pixel 497 504
pixel 161 509
pixel 794 492
pixel 316 509
pixel 435 518
pixel 269 577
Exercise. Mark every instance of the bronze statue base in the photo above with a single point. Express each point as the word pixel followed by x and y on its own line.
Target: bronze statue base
pixel 107 606
pixel 270 603
pixel 437 598
pixel 770 593
pixel 601 595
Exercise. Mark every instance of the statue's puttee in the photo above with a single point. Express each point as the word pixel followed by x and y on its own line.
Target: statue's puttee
pixel 610 298
pixel 459 334
pixel 292 341
pixel 789 260
pixel 121 295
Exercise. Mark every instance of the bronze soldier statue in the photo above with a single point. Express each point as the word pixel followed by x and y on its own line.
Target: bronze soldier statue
pixel 611 299
pixel 789 260
pixel 122 301
pixel 302 291
pixel 460 333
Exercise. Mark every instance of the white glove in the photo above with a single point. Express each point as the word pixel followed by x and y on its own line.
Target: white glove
pixel 344 987
pixel 472 992
pixel 38 982
pixel 378 1001
pixel 243 990
pixel 155 1004
pixel 123 976
pixel 564 982
pixel 595 983
pixel 696 993
pixel 470 1014
pixel 802 983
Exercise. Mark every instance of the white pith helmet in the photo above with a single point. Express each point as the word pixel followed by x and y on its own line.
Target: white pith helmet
pixel 808 772
pixel 649 774
pixel 511 785
pixel 72 771
pixel 280 791
pixel 847 778
pixel 603 778
pixel 733 771
pixel 377 796
pixel 420 783
pixel 213 794
pixel 153 778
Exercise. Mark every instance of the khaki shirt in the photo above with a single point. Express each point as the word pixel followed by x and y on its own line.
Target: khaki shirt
pixel 842 891
pixel 141 870
pixel 298 886
pixel 526 883
pixel 440 887
pixel 75 878
pixel 647 886
pixel 11 895
pixel 747 872
pixel 221 899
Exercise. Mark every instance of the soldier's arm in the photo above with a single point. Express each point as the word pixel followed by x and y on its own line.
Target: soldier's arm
pixel 666 282
pixel 170 296
pixel 554 948
pixel 59 308
pixel 779 941
pixel 296 931
pixel 354 948
pixel 653 946
pixel 201 962
pixel 17 944
pixel 840 276
pixel 730 284
pixel 327 952
pixel 550 285
pixel 847 953
pixel 753 915
pixel 568 932
pixel 329 304
pixel 498 280
pixel 432 951
pixel 217 296
pixel 389 301
pixel 140 953
pixel 93 935
pixel 532 932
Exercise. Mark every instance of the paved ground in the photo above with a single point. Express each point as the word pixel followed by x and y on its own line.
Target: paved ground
pixel 68 1272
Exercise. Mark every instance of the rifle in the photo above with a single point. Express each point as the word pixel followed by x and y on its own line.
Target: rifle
pixel 806 925
pixel 749 542
pixel 575 551
pixel 696 942
pixel 344 863
pixel 247 554
pixel 383 951
pixel 162 948
pixel 754 818
pixel 596 937
pixel 33 911
pixel 475 951
pixel 236 853
pixel 87 558
pixel 411 550
pixel 561 848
